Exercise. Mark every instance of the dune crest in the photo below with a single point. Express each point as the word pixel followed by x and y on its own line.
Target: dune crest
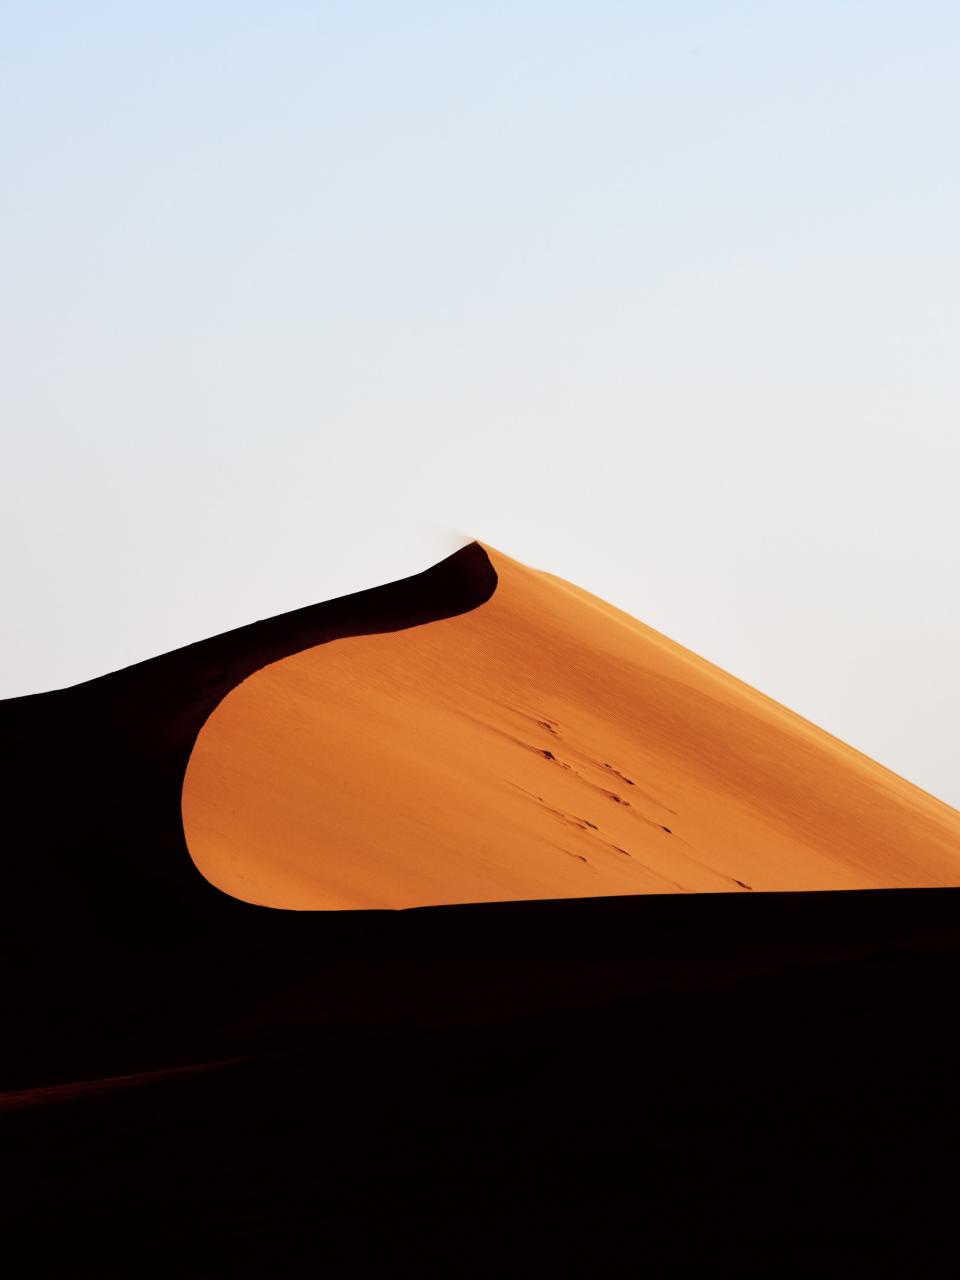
pixel 542 745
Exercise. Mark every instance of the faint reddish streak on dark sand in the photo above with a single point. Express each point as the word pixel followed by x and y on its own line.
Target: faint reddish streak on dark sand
pixel 17 1099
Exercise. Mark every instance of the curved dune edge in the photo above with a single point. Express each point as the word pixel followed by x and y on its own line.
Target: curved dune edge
pixel 543 745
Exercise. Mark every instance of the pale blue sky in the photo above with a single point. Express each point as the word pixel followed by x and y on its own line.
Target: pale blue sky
pixel 661 297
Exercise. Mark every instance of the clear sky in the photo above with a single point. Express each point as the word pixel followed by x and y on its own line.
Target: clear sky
pixel 663 297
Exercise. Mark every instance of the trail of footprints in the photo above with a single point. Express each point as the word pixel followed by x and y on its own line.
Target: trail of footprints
pixel 584 824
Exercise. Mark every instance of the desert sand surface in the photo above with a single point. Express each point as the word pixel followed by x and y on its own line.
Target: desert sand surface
pixel 541 745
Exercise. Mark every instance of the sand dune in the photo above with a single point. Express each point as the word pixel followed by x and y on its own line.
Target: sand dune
pixel 180 1064
pixel 543 745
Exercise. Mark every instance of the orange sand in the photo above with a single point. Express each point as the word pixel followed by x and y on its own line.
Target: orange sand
pixel 545 745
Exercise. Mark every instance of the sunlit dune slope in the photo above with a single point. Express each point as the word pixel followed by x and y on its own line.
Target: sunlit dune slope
pixel 544 745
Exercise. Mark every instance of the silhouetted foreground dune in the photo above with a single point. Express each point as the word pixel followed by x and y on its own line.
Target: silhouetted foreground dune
pixel 764 1076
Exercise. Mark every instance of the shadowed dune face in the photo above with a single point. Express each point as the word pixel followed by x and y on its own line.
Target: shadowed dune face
pixel 544 745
